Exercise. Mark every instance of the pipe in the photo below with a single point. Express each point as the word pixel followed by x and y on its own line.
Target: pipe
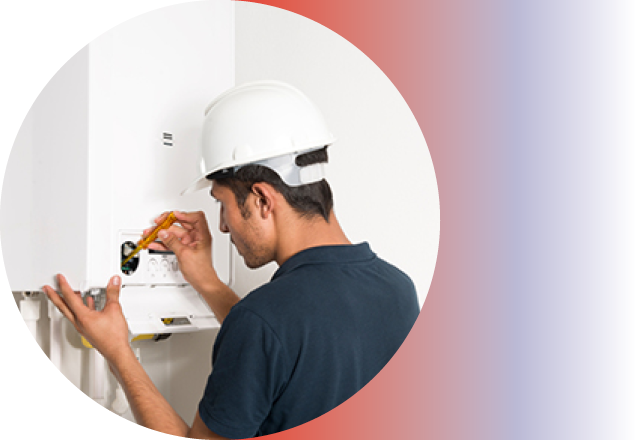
pixel 55 335
pixel 30 311
pixel 96 375
pixel 120 405
pixel 96 365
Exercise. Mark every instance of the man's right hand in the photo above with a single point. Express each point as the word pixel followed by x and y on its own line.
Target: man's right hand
pixel 191 242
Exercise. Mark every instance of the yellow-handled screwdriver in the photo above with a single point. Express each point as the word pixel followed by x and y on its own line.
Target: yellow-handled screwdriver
pixel 142 244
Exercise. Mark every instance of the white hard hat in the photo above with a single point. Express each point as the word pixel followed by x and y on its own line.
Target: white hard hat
pixel 266 123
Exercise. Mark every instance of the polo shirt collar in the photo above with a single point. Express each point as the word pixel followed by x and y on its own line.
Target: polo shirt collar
pixel 326 254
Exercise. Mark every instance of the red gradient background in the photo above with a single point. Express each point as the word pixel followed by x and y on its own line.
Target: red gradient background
pixel 443 383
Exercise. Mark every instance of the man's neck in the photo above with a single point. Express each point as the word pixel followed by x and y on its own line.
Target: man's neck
pixel 298 234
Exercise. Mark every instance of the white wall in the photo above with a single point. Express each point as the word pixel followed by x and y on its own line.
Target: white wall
pixel 110 103
pixel 380 168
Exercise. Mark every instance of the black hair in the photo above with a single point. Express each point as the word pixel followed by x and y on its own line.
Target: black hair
pixel 308 200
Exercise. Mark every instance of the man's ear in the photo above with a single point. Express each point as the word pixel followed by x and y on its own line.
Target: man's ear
pixel 265 198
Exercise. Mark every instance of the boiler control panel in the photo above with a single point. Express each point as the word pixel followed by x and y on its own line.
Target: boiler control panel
pixel 148 267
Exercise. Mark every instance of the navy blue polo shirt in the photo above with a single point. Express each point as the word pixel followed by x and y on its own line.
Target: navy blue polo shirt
pixel 298 346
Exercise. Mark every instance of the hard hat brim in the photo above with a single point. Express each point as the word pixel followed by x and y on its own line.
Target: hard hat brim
pixel 197 185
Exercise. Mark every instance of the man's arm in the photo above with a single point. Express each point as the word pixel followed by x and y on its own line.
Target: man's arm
pixel 148 405
pixel 200 430
pixel 107 331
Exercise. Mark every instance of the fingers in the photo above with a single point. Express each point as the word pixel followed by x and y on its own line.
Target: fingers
pixel 161 218
pixel 189 220
pixel 158 220
pixel 72 299
pixel 170 241
pixel 183 236
pixel 59 303
pixel 90 302
pixel 113 290
pixel 157 246
pixel 195 222
pixel 193 228
pixel 180 231
pixel 71 304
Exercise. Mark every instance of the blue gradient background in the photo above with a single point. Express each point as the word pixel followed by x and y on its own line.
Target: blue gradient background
pixel 532 111
pixel 573 189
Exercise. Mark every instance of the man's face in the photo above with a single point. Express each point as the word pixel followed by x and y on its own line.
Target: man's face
pixel 246 233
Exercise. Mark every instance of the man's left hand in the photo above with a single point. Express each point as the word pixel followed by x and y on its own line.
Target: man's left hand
pixel 105 330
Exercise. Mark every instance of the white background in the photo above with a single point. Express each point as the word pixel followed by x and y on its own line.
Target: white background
pixel 380 168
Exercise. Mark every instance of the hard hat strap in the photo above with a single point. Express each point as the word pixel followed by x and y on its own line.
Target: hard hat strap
pixel 285 166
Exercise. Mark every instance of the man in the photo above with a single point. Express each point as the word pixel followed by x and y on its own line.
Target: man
pixel 328 321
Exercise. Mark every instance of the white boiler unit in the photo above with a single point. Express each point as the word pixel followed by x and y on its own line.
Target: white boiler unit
pixel 110 144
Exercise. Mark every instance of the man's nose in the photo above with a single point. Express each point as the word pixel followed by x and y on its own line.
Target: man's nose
pixel 223 226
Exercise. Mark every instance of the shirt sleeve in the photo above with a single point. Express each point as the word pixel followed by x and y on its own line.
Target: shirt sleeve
pixel 248 374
